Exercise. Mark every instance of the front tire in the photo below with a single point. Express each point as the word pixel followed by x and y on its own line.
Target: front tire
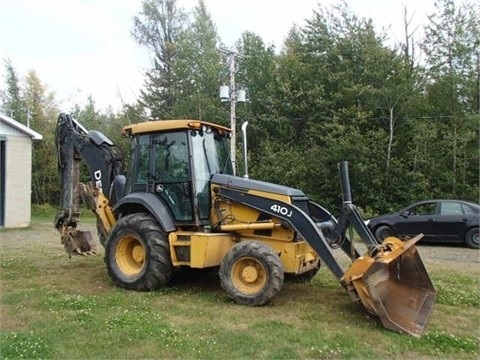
pixel 472 238
pixel 251 273
pixel 137 254
pixel 382 232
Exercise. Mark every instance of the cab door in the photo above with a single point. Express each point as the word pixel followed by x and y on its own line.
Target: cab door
pixel 172 175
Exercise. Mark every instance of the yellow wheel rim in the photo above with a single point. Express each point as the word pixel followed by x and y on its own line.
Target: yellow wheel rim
pixel 249 276
pixel 130 256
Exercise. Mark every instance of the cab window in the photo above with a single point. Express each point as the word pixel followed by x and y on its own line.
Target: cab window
pixel 143 168
pixel 171 173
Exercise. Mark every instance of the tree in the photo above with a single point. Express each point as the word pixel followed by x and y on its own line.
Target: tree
pixel 11 99
pixel 343 81
pixel 473 40
pixel 197 69
pixel 257 74
pixel 41 105
pixel 452 54
pixel 157 27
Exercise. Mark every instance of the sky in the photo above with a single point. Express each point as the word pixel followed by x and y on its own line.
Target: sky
pixel 79 48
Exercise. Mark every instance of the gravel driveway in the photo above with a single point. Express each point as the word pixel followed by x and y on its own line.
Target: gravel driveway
pixel 458 257
pixel 450 256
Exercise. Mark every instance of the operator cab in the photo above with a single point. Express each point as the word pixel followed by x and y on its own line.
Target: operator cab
pixel 176 165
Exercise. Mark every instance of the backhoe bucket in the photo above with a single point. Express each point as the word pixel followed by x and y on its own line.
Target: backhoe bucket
pixel 78 242
pixel 392 283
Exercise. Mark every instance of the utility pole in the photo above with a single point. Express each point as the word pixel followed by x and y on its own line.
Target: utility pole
pixel 229 94
pixel 233 118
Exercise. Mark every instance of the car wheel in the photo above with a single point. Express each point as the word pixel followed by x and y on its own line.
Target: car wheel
pixel 383 232
pixel 472 238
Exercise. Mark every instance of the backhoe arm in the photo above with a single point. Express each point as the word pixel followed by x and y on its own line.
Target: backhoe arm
pixel 76 145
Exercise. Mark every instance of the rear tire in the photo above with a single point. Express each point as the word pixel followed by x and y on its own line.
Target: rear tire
pixel 383 232
pixel 137 254
pixel 472 238
pixel 251 273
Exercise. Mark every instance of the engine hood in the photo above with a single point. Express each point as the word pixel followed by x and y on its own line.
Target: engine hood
pixel 250 184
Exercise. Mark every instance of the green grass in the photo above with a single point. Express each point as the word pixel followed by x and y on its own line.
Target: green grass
pixel 53 307
pixel 458 290
pixel 47 212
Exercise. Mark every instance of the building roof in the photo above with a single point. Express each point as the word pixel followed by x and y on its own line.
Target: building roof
pixel 20 127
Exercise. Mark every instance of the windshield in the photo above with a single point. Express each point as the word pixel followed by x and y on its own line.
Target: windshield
pixel 210 154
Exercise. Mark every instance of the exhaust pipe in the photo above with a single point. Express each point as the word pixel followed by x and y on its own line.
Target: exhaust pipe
pixel 345 182
pixel 244 131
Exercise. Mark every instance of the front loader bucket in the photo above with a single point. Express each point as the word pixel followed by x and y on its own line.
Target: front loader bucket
pixel 78 242
pixel 392 283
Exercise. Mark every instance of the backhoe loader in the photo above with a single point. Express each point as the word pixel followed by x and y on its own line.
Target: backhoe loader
pixel 180 205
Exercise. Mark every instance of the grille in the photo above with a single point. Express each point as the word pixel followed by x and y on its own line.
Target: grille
pixel 183 253
pixel 301 203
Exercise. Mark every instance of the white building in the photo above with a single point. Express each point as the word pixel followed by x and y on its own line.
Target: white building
pixel 15 172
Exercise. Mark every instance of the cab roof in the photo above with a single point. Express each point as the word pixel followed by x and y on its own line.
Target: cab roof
pixel 167 125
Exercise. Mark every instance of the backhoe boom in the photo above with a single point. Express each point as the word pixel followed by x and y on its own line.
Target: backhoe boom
pixel 76 145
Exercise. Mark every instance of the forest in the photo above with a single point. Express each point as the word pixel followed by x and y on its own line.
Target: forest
pixel 406 116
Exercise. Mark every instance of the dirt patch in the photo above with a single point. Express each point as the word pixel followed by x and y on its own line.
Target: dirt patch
pixel 39 234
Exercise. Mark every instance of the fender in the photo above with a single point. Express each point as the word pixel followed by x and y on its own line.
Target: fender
pixel 153 204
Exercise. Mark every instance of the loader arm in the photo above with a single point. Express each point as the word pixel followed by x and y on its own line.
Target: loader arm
pixel 104 162
pixel 290 213
pixel 307 222
pixel 390 280
pixel 350 215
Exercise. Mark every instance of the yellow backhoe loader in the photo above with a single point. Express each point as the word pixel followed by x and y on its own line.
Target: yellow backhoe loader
pixel 180 205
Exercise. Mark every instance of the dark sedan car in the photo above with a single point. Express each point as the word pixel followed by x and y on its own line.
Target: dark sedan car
pixel 439 220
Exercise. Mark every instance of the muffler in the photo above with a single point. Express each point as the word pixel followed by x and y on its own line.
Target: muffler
pixel 392 283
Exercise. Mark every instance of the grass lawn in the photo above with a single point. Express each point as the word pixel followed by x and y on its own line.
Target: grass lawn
pixel 56 307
